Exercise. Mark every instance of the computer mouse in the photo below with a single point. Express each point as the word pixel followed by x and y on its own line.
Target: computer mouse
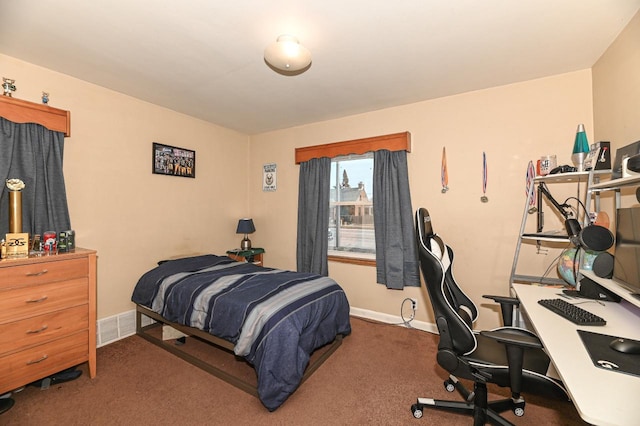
pixel 625 346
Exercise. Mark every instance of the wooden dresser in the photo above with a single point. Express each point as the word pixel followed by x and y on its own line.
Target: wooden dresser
pixel 47 316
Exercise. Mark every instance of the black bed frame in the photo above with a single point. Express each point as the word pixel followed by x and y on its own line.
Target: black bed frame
pixel 216 342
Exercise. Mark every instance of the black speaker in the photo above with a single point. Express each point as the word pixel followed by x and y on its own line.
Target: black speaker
pixel 603 265
pixel 592 290
pixel 633 163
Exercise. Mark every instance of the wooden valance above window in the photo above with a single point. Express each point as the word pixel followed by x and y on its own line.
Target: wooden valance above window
pixel 20 111
pixel 393 142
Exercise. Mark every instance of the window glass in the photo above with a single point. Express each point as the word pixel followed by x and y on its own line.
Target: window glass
pixel 351 230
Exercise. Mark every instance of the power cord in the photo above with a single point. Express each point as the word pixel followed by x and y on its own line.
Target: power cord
pixel 580 203
pixel 407 322
pixel 553 263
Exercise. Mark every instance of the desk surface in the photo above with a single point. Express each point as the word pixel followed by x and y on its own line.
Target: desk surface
pixel 602 397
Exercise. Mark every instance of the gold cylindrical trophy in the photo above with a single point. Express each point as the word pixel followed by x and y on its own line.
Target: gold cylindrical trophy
pixel 15 205
pixel 15 212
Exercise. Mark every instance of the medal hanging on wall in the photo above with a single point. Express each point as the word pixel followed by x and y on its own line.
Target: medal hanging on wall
pixel 484 197
pixel 444 174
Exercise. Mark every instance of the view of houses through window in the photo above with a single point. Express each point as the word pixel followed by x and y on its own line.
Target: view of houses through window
pixel 351 230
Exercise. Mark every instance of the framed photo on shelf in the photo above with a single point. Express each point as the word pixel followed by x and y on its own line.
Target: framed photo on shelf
pixel 173 161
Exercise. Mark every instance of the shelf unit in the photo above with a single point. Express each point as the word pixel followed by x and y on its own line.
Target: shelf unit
pixel 613 286
pixel 615 185
pixel 594 191
pixel 591 179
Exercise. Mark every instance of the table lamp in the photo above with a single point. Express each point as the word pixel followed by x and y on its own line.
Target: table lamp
pixel 245 226
pixel 580 148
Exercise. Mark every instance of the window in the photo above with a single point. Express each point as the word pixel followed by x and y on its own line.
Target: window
pixel 351 231
pixel 344 156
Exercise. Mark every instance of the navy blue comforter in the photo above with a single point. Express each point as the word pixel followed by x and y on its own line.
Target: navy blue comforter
pixel 275 318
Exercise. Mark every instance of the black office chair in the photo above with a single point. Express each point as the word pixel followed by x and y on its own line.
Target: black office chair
pixel 507 356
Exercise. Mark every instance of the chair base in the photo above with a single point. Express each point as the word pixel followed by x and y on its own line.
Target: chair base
pixel 483 412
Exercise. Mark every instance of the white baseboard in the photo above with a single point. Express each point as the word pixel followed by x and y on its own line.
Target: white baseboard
pixel 117 327
pixel 392 319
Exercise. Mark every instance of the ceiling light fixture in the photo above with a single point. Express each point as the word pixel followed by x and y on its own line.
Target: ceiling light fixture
pixel 288 55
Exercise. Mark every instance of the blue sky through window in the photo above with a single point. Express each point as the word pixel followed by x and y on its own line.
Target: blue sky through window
pixel 358 170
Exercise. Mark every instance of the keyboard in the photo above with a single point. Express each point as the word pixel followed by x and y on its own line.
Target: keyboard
pixel 573 313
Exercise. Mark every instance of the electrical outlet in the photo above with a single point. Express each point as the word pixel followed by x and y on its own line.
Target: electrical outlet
pixel 414 304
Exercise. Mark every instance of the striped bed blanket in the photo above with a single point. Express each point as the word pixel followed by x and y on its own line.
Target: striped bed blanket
pixel 274 318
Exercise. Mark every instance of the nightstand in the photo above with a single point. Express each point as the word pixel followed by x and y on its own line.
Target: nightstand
pixel 253 255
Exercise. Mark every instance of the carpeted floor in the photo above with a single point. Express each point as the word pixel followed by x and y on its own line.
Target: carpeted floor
pixel 372 379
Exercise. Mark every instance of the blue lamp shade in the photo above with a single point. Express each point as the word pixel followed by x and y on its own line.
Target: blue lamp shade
pixel 245 226
pixel 581 144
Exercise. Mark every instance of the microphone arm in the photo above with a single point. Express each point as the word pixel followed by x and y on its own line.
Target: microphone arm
pixel 598 238
pixel 562 208
pixel 570 223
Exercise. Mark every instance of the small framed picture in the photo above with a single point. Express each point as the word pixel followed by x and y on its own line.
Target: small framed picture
pixel 173 161
pixel 269 180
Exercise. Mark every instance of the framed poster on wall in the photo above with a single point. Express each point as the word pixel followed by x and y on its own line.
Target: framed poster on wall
pixel 173 161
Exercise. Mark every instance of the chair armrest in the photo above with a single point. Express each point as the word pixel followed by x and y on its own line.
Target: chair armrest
pixel 506 306
pixel 507 338
pixel 514 301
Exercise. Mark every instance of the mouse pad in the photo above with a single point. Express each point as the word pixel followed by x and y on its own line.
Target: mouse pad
pixel 603 356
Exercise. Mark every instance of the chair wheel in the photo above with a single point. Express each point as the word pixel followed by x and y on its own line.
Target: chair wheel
pixel 518 409
pixel 449 386
pixel 416 411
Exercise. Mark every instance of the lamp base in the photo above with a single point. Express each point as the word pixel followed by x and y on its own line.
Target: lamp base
pixel 245 244
pixel 578 160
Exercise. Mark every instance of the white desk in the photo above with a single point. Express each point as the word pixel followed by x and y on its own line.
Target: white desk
pixel 602 397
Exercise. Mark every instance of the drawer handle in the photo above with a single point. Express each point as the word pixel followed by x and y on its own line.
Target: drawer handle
pixel 37 274
pixel 36 361
pixel 43 328
pixel 42 299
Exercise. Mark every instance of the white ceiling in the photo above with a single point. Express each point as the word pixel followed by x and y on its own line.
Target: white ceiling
pixel 204 58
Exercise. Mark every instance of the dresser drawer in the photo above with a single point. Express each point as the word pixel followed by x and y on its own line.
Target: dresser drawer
pixel 18 335
pixel 60 269
pixel 32 364
pixel 41 299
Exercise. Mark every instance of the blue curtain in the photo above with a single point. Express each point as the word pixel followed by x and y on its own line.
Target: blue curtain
pixel 33 154
pixel 396 252
pixel 313 216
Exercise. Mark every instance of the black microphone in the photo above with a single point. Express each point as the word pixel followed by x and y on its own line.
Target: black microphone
pixel 593 237
pixel 573 230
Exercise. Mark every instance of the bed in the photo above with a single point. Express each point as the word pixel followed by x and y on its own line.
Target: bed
pixel 273 319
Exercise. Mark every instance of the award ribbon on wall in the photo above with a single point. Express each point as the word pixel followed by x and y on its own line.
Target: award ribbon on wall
pixel 531 174
pixel 444 174
pixel 484 197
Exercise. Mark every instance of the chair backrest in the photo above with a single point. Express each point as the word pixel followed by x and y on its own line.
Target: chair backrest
pixel 454 311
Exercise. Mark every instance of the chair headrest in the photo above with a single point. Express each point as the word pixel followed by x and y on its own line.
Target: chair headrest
pixel 427 237
pixel 424 222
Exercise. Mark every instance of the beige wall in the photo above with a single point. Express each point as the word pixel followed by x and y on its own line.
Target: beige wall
pixel 512 124
pixel 117 206
pixel 134 218
pixel 616 89
pixel 616 101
